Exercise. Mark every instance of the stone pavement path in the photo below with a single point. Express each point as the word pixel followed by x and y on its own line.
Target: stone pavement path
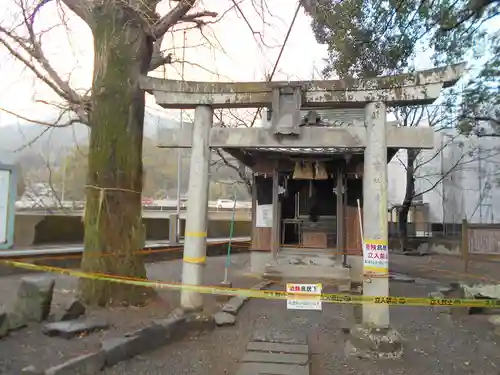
pixel 272 352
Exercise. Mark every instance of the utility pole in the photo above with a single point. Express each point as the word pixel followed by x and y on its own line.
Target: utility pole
pixel 180 150
pixel 479 180
pixel 63 188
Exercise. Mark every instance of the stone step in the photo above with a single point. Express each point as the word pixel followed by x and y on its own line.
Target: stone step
pixel 307 274
pixel 272 369
pixel 275 347
pixel 298 259
pixel 274 352
pixel 323 253
pixel 309 270
pixel 282 358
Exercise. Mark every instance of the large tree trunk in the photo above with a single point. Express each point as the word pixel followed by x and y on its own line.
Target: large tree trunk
pixel 113 226
pixel 408 200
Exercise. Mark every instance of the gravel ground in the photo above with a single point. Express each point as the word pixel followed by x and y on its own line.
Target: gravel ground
pixel 434 343
pixel 446 268
pixel 30 347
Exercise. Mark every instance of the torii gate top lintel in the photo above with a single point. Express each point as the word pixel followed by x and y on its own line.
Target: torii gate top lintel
pixel 407 89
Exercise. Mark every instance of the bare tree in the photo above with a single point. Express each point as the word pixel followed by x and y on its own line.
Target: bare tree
pixel 126 36
pixel 438 117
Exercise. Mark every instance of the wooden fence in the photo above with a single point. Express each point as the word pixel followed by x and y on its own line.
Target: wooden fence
pixel 480 241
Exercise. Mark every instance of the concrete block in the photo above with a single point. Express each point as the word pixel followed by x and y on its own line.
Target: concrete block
pixel 153 336
pixel 224 319
pixel 175 324
pixel 258 261
pixel 234 305
pixel 224 297
pixel 87 364
pixel 33 302
pixel 199 322
pixel 285 358
pixel 373 343
pixel 31 370
pixel 119 349
pixel 71 311
pixel 278 348
pixel 73 328
pixel 272 369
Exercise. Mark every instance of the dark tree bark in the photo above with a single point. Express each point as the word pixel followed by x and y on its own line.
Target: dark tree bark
pixel 113 225
pixel 408 199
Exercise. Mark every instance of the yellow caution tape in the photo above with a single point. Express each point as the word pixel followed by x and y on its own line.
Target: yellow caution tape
pixel 195 234
pixel 193 260
pixel 265 294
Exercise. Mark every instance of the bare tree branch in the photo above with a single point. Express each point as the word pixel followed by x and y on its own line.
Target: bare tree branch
pixel 30 53
pixel 172 18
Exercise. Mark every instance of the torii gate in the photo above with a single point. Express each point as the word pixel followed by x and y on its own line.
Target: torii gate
pixel 286 99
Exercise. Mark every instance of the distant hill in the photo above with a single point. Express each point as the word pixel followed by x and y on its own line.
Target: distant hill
pixel 19 140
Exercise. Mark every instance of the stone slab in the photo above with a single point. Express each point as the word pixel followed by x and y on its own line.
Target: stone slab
pixel 31 370
pixel 224 319
pixel 73 328
pixel 269 335
pixel 87 364
pixel 119 349
pixel 284 358
pixel 71 311
pixel 199 322
pixel 233 305
pixel 278 348
pixel 153 336
pixel 272 369
pixel 34 299
pixel 495 320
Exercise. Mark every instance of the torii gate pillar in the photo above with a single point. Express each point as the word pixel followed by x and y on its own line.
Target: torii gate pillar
pixel 374 338
pixel 195 242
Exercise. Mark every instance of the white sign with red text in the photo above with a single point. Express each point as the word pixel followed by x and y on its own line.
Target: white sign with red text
pixel 302 301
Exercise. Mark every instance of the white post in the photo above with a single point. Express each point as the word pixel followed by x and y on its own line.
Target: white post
pixel 375 235
pixel 195 245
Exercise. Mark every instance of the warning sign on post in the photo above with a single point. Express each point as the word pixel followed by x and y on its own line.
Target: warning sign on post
pixel 303 302
pixel 375 256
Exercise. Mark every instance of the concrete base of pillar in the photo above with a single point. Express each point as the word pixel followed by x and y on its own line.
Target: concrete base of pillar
pixel 258 261
pixel 374 343
pixel 224 297
pixel 352 312
pixel 356 270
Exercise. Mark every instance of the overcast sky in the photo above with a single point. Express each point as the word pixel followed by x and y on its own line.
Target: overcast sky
pixel 236 55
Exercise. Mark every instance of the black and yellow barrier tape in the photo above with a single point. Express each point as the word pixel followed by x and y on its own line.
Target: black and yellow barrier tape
pixel 265 294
